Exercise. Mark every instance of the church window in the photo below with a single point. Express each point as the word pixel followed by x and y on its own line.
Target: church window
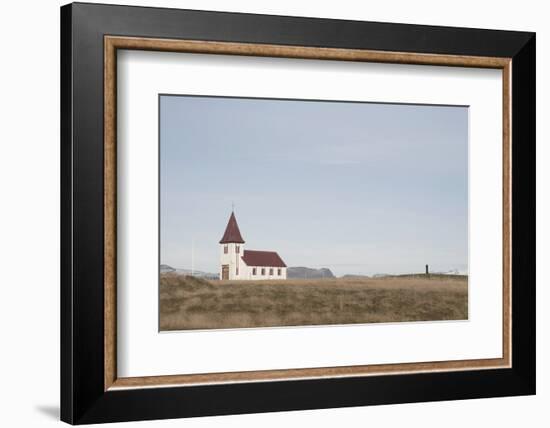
pixel 271 271
pixel 225 249
pixel 254 271
pixel 263 271
pixel 237 249
pixel 279 272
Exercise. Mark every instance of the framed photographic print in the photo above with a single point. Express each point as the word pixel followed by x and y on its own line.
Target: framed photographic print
pixel 265 213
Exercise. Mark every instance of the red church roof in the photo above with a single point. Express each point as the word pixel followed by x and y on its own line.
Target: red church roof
pixel 262 258
pixel 232 233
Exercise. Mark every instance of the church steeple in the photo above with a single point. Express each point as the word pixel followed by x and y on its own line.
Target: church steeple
pixel 232 233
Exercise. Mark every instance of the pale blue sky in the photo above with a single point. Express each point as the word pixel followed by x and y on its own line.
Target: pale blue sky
pixel 359 188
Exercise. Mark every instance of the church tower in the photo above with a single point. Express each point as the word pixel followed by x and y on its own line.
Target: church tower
pixel 231 251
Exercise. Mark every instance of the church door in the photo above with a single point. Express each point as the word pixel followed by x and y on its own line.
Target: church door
pixel 225 271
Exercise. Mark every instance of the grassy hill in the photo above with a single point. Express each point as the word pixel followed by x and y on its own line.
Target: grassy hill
pixel 194 303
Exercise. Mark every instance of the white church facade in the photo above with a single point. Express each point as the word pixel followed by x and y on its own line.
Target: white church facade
pixel 238 263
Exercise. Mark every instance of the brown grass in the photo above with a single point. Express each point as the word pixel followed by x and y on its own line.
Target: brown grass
pixel 193 303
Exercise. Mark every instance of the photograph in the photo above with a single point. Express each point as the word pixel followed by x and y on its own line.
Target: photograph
pixel 267 210
pixel 287 212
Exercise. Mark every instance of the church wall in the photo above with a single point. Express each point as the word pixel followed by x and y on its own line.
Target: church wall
pixel 233 260
pixel 266 274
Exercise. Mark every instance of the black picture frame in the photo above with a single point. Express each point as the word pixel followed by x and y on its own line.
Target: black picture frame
pixel 83 398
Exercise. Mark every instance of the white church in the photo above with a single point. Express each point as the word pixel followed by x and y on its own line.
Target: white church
pixel 238 263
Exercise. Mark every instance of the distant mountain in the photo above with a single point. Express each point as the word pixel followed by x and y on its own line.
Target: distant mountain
pixel 462 272
pixel 397 275
pixel 305 272
pixel 454 272
pixel 166 269
pixel 196 273
pixel 354 276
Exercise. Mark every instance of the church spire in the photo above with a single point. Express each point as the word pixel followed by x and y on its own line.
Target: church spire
pixel 232 233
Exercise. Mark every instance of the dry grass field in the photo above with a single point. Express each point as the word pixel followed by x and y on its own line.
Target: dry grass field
pixel 193 303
